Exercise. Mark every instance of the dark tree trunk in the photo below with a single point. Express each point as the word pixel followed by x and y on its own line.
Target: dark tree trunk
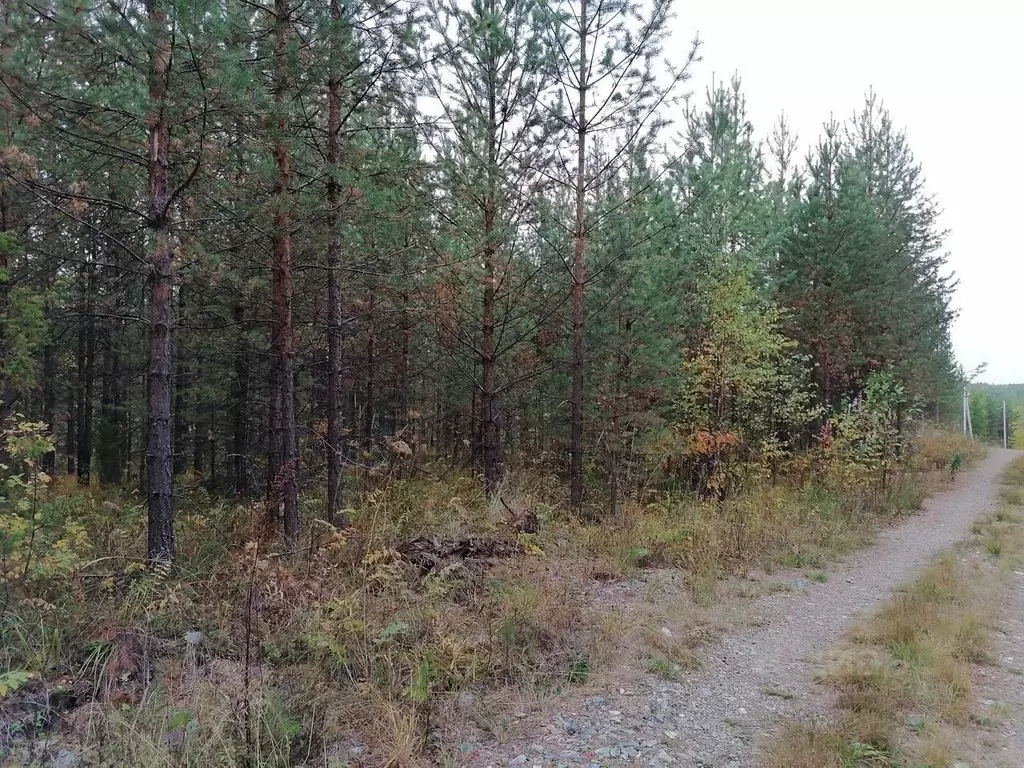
pixel 368 405
pixel 240 405
pixel 489 427
pixel 159 434
pixel 7 224
pixel 351 411
pixel 578 281
pixel 475 433
pixel 86 379
pixel 283 436
pixel 50 395
pixel 128 422
pixel 490 431
pixel 335 339
pixel 211 443
pixel 199 428
pixel 405 367
pixel 109 451
pixel 181 384
pixel 71 435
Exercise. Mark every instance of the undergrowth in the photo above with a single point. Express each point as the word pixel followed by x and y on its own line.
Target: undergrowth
pixel 903 677
pixel 337 647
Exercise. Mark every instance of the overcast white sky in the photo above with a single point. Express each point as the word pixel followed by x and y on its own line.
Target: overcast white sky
pixel 954 78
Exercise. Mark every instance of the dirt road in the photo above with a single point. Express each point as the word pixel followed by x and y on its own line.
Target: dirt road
pixel 752 678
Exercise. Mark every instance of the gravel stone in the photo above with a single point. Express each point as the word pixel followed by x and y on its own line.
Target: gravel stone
pixel 718 713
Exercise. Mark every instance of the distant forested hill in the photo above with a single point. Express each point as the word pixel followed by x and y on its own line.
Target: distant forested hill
pixel 1010 392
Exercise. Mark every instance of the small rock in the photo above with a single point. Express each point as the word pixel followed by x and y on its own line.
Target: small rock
pixel 175 738
pixel 672 734
pixel 66 759
pixel 518 760
pixel 664 756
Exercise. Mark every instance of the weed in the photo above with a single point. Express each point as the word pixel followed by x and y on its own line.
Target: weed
pixel 857 754
pixel 804 745
pixel 917 723
pixel 578 672
pixel 994 546
pixel 679 652
pixel 635 556
pixel 663 668
pixel 819 577
pixel 703 588
pixel 779 693
pixel 775 587
pixel 1008 515
pixel 913 655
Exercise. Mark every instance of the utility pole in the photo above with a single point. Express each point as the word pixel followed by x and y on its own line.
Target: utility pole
pixel 963 403
pixel 1004 424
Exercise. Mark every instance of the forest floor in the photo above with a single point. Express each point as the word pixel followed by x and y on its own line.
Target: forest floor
pixel 762 671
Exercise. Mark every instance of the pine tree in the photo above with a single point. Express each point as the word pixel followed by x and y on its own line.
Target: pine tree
pixel 491 159
pixel 606 69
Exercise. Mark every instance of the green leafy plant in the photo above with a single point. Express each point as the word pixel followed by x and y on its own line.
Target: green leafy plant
pixel 14 679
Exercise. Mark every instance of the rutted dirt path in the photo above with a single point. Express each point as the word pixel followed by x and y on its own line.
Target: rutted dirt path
pixel 750 679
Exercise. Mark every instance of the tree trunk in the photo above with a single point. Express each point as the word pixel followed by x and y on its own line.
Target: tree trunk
pixel 283 440
pixel 488 392
pixel 86 368
pixel 240 405
pixel 71 435
pixel 405 366
pixel 109 449
pixel 211 442
pixel 335 339
pixel 489 428
pixel 181 382
pixel 476 442
pixel 578 280
pixel 199 425
pixel 7 121
pixel 50 394
pixel 351 411
pixel 159 435
pixel 368 406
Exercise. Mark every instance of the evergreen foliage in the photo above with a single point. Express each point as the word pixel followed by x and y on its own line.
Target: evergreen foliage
pixel 357 281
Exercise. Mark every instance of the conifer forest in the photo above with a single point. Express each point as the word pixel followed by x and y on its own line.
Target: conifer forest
pixel 336 334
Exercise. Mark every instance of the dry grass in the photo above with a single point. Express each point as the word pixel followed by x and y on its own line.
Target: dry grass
pixel 356 646
pixel 903 676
